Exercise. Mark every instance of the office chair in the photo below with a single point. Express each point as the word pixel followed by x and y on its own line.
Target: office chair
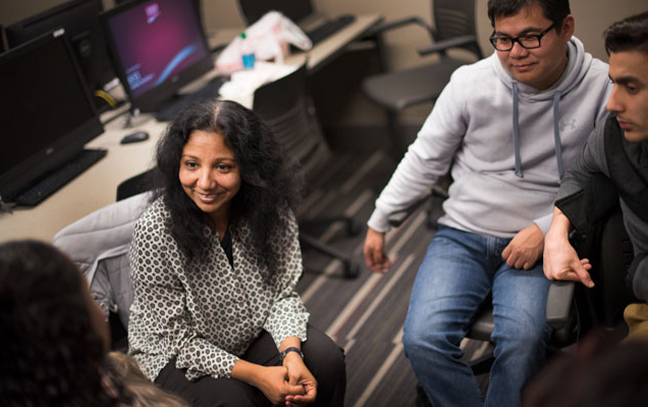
pixel 610 251
pixel 454 27
pixel 145 181
pixel 615 256
pixel 286 107
pixel 600 236
pixel 3 47
pixel 98 243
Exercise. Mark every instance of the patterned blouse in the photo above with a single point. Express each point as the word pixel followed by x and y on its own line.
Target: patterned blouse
pixel 206 313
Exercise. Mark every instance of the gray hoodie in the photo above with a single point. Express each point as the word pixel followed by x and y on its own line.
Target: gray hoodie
pixel 508 145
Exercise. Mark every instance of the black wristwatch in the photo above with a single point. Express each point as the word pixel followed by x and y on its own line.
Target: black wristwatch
pixel 283 354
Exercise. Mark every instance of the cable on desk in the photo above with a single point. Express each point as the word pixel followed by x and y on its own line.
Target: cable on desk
pixel 105 96
pixel 5 207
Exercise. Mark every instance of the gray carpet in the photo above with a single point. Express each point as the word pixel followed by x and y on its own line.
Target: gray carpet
pixel 365 315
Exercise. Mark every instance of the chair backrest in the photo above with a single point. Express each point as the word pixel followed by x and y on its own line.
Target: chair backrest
pixel 98 243
pixel 615 255
pixel 286 107
pixel 137 184
pixel 455 18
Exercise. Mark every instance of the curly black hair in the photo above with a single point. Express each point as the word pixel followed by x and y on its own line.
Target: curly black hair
pixel 49 353
pixel 269 185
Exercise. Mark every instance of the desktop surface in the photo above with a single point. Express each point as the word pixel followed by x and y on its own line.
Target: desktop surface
pixel 94 189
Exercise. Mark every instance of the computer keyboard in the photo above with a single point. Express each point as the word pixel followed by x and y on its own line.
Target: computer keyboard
pixel 51 182
pixel 329 27
pixel 169 111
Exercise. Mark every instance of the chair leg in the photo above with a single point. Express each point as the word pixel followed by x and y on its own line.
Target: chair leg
pixel 397 149
pixel 351 269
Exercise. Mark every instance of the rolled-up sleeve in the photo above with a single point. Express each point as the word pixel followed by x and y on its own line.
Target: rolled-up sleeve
pixel 288 315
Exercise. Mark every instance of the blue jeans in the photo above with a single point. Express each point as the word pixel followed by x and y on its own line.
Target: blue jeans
pixel 460 269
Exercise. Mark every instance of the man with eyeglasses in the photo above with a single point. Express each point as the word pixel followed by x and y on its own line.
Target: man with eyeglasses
pixel 507 128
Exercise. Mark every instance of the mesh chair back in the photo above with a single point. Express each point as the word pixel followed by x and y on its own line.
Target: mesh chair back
pixel 143 182
pixel 455 18
pixel 284 105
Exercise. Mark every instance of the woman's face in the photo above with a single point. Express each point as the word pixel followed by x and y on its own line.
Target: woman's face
pixel 209 174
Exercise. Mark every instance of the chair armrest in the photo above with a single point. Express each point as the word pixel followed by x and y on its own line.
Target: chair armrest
pixel 382 28
pixel 444 45
pixel 559 303
pixel 397 218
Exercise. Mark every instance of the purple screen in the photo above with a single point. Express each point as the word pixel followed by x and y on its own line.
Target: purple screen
pixel 157 40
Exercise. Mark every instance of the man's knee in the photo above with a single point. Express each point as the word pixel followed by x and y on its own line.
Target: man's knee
pixel 522 333
pixel 423 338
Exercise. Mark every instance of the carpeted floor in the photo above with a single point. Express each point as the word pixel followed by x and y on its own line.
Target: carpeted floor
pixel 365 315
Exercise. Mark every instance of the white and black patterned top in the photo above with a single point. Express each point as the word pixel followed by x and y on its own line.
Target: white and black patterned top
pixel 207 313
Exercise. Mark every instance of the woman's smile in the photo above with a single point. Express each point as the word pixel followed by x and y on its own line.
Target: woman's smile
pixel 209 174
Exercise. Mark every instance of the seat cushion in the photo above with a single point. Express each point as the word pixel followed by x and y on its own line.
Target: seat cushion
pixel 397 90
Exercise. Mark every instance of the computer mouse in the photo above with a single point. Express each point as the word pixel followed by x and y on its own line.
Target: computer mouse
pixel 135 137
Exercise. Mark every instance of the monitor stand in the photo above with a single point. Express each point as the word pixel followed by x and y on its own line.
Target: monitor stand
pixel 169 109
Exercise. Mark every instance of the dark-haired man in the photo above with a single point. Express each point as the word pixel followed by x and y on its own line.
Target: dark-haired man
pixel 508 126
pixel 618 149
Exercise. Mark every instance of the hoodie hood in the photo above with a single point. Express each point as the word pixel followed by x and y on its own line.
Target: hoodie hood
pixel 578 62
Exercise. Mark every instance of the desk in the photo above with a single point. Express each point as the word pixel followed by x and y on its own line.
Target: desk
pixel 97 187
pixel 323 52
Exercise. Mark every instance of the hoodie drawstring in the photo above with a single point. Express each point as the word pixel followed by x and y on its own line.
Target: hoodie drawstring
pixel 516 133
pixel 556 114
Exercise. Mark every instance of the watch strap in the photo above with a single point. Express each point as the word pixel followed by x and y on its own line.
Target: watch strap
pixel 286 351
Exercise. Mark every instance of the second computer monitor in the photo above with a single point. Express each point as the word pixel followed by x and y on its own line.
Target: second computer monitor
pixel 158 46
pixel 296 10
pixel 80 19
pixel 46 111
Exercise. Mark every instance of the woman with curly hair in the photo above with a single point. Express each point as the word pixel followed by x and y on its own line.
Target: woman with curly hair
pixel 215 261
pixel 54 339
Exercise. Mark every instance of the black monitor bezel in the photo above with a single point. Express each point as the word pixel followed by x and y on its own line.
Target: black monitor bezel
pixel 152 99
pixel 3 46
pixel 98 71
pixel 33 167
pixel 251 14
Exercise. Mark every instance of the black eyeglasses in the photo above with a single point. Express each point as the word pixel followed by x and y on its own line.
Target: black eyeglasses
pixel 504 43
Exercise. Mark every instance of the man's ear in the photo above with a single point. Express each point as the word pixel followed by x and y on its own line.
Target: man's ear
pixel 568 27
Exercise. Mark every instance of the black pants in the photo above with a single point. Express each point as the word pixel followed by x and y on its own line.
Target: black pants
pixel 322 356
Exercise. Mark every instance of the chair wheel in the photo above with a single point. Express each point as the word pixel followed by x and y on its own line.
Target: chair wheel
pixel 351 270
pixel 354 228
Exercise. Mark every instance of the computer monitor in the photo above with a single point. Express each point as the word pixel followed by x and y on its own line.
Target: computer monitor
pixel 47 111
pixel 3 47
pixel 295 10
pixel 157 47
pixel 198 4
pixel 80 18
